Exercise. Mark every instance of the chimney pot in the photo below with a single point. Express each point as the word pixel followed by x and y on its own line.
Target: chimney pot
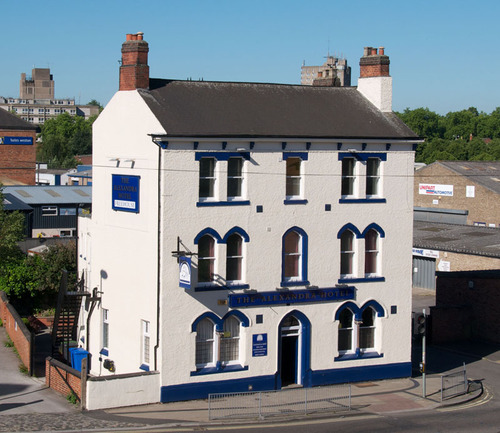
pixel 374 52
pixel 139 36
pixel 381 51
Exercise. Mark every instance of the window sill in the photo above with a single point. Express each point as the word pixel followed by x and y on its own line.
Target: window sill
pixel 295 283
pixel 294 201
pixel 344 280
pixel 226 287
pixel 359 355
pixel 144 367
pixel 219 369
pixel 223 203
pixel 362 200
pixel 104 352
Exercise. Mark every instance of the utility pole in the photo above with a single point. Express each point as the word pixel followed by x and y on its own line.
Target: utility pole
pixel 423 355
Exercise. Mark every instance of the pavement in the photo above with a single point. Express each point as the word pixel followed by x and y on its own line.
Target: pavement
pixel 27 405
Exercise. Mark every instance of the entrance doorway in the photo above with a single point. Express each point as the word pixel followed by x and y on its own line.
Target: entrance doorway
pixel 290 343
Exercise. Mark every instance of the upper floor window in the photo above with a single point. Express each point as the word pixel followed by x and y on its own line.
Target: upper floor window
pixel 293 178
pixel 371 253
pixel 207 178
pixel 206 259
pixel 348 176
pixel 234 178
pixel 372 177
pixel 234 258
pixel 294 271
pixel 49 210
pixel 347 253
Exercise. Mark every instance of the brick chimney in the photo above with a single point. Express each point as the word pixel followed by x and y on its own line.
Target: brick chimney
pixel 374 81
pixel 134 70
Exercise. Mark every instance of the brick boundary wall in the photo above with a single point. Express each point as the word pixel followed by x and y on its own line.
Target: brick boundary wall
pixel 62 378
pixel 17 332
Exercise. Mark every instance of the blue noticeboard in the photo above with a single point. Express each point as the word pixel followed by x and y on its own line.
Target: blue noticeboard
pixel 16 140
pixel 259 345
pixel 125 193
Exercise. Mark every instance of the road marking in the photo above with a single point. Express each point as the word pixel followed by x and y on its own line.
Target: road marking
pixel 260 425
pixel 487 396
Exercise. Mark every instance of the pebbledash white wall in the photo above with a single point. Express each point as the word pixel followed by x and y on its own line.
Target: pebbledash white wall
pixel 123 246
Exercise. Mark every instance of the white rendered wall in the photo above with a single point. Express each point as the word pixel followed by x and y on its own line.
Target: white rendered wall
pixel 124 244
pixel 378 90
pixel 266 187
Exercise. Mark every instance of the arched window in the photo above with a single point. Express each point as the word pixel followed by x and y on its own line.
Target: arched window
pixel 347 253
pixel 230 341
pixel 206 259
pixel 205 343
pixel 371 253
pixel 367 329
pixel 345 330
pixel 234 258
pixel 292 256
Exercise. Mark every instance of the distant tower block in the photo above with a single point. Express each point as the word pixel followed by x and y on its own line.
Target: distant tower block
pixel 334 72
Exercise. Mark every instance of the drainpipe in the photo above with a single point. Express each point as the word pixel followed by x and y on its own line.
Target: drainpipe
pixel 157 140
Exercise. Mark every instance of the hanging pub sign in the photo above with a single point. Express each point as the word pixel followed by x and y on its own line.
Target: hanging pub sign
pixel 185 272
pixel 16 140
pixel 125 194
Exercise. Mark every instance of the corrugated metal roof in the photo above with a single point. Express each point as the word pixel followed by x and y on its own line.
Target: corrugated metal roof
pixel 482 241
pixel 51 194
pixel 12 203
pixel 219 109
pixel 485 173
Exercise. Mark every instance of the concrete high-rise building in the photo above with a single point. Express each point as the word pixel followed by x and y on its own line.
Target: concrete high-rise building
pixel 334 72
pixel 37 102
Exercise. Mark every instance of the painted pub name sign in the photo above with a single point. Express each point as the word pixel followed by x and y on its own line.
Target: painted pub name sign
pixel 290 297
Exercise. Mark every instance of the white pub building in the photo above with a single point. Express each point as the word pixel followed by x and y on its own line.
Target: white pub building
pixel 246 236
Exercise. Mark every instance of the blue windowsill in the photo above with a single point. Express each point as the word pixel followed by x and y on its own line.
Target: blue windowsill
pixel 358 355
pixel 295 283
pixel 362 280
pixel 144 367
pixel 362 200
pixel 223 203
pixel 226 287
pixel 295 201
pixel 219 369
pixel 104 352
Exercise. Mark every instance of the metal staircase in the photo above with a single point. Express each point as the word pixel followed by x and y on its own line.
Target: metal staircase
pixel 65 328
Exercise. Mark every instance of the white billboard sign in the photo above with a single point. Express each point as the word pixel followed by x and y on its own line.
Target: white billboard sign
pixel 434 189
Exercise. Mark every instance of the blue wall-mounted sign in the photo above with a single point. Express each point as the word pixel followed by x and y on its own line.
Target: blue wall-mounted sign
pixel 125 195
pixel 290 297
pixel 17 140
pixel 185 272
pixel 259 345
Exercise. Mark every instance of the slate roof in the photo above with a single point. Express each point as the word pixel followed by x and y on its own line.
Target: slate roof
pixel 485 173
pixel 9 121
pixel 482 241
pixel 40 195
pixel 222 109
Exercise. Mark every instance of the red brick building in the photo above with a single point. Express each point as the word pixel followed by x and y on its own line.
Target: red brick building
pixel 17 150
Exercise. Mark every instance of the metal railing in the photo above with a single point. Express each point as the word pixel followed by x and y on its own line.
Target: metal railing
pixel 282 402
pixel 454 384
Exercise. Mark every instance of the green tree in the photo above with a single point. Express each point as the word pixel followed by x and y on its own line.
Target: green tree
pixel 11 231
pixel 64 137
pixel 423 122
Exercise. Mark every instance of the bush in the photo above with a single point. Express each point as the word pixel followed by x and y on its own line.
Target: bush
pixel 72 398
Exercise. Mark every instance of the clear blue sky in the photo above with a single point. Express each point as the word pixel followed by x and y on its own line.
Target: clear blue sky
pixel 444 53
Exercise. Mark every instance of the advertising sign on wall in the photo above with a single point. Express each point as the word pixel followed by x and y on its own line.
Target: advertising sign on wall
pixel 434 189
pixel 16 140
pixel 259 345
pixel 125 194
